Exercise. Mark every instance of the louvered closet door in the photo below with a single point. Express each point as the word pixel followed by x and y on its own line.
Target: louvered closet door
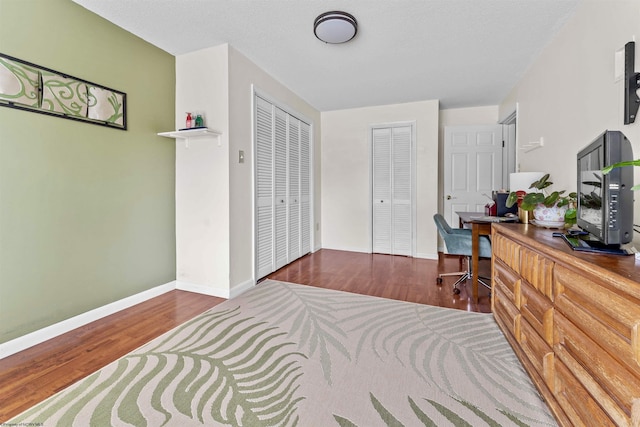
pixel 294 188
pixel 392 190
pixel 305 189
pixel 281 197
pixel 401 191
pixel 283 187
pixel 382 191
pixel 264 188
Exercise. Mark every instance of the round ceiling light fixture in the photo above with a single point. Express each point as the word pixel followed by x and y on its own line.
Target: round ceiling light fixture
pixel 335 27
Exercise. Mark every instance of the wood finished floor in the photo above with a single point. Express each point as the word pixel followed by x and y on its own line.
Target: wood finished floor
pixel 32 375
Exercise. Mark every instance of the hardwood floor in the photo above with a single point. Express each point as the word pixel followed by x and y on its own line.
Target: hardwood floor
pixel 395 277
pixel 32 375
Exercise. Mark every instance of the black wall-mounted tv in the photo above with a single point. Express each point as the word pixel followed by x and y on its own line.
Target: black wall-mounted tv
pixel 605 202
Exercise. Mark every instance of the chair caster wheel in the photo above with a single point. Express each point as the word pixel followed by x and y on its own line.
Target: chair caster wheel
pixel 439 280
pixel 456 291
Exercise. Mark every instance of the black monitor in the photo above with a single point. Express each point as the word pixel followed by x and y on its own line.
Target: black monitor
pixel 605 202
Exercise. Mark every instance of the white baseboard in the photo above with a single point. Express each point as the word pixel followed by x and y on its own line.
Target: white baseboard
pixel 368 251
pixel 22 343
pixel 241 288
pixel 427 256
pixel 215 292
pixel 349 249
pixel 41 335
pixel 202 289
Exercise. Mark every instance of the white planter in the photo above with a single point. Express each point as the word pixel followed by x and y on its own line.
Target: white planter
pixel 549 215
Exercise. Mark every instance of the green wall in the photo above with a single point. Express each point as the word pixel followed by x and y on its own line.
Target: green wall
pixel 87 213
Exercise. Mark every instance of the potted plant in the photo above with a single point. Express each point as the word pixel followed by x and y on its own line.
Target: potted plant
pixel 548 209
pixel 636 162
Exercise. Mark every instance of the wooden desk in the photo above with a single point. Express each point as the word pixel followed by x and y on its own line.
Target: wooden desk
pixel 478 228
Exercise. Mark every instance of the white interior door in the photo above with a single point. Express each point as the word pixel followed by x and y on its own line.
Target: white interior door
pixel 283 187
pixel 294 188
pixel 305 189
pixel 393 189
pixel 382 191
pixel 264 188
pixel 472 168
pixel 402 188
pixel 280 189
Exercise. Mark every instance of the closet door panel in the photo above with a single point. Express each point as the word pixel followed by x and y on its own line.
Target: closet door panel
pixel 305 189
pixel 401 193
pixel 283 187
pixel 294 188
pixel 280 188
pixel 392 203
pixel 264 188
pixel 382 214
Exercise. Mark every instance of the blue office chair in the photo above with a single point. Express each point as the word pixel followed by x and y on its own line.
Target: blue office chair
pixel 458 242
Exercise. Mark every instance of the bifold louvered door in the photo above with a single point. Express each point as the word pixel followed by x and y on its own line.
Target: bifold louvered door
pixel 283 187
pixel 392 203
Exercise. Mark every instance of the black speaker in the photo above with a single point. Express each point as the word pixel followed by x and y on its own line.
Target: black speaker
pixel 501 200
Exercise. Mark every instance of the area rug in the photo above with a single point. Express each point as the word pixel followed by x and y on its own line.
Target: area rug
pixel 291 355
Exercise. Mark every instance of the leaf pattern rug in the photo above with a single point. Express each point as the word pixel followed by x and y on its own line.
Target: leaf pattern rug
pixel 284 354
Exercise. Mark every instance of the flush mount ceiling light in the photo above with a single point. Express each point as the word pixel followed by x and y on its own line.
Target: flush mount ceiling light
pixel 335 27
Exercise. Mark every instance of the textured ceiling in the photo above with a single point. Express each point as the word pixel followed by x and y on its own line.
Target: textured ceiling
pixel 463 52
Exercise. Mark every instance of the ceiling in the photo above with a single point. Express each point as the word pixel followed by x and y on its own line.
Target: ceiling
pixel 464 53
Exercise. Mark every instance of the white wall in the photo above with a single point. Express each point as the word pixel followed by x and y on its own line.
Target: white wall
pixel 468 116
pixel 242 75
pixel 202 174
pixel 215 207
pixel 569 96
pixel 346 212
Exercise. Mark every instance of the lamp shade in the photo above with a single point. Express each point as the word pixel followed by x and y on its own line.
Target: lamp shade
pixel 520 181
pixel 335 27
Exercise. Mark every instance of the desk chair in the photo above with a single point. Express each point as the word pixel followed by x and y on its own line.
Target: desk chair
pixel 458 242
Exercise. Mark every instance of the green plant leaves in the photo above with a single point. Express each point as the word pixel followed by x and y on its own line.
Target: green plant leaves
pixel 623 164
pixel 512 198
pixel 542 183
pixel 620 164
pixel 531 200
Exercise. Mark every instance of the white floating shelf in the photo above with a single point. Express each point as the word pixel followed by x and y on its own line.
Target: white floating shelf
pixel 533 145
pixel 190 133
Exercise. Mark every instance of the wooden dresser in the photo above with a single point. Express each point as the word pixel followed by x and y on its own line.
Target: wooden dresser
pixel 573 319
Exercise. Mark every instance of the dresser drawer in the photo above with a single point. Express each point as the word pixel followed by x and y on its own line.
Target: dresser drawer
pixel 534 347
pixel 538 271
pixel 575 401
pixel 537 310
pixel 608 318
pixel 506 250
pixel 509 281
pixel 505 312
pixel 598 372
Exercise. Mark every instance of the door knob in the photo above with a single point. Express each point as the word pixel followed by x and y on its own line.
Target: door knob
pixel 448 196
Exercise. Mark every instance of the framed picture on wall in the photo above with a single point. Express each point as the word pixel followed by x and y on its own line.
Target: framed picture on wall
pixel 30 87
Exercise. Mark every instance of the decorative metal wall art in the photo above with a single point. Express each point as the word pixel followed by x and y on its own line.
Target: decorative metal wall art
pixel 30 87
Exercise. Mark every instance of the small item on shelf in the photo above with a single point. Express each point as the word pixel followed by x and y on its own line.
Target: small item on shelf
pixel 189 121
pixel 199 121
